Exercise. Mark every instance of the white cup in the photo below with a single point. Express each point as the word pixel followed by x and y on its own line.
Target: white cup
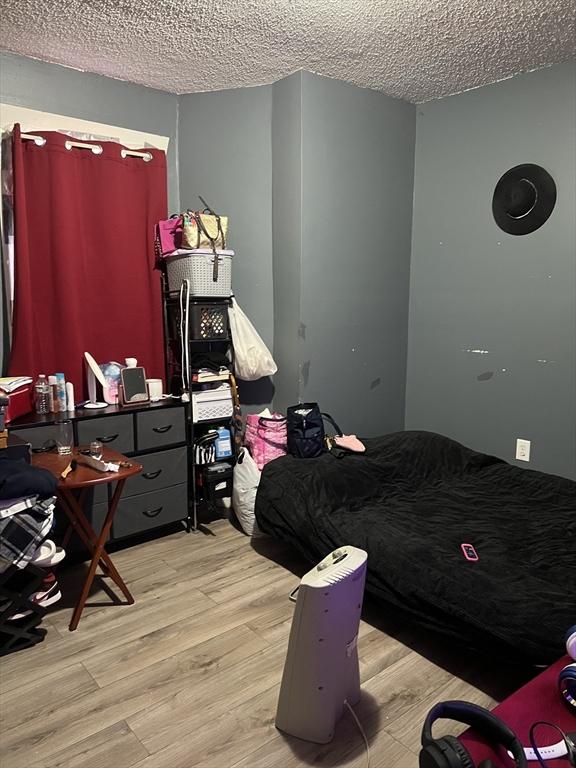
pixel 154 388
pixel 131 362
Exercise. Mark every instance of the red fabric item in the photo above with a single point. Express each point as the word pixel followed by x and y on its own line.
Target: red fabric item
pixel 84 258
pixel 539 699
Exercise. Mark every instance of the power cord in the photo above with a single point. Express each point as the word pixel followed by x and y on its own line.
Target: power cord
pixel 359 725
pixel 184 339
pixel 293 596
pixel 567 738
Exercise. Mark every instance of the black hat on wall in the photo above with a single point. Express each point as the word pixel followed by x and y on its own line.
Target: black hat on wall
pixel 523 199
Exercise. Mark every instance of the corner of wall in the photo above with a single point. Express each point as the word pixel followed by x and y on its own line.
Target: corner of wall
pixel 417 115
pixel 177 153
pixel 286 128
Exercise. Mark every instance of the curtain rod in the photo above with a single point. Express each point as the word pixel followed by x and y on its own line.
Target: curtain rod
pixel 40 141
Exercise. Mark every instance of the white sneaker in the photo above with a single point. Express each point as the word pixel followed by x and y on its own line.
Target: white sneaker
pixel 42 599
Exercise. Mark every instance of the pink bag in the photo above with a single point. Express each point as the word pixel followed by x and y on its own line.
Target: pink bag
pixel 266 437
pixel 168 235
pixel 349 443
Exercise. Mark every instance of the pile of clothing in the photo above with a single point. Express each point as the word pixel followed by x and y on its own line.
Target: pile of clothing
pixel 27 502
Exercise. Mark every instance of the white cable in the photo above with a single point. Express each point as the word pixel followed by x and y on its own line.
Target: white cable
pixel 184 338
pixel 182 374
pixel 354 715
pixel 187 333
pixel 551 752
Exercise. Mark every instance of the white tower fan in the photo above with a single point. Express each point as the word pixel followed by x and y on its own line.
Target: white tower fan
pixel 321 672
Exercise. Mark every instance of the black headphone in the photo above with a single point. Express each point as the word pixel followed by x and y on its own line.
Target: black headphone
pixel 449 752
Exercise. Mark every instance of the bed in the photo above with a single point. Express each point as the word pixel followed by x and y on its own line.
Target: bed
pixel 411 501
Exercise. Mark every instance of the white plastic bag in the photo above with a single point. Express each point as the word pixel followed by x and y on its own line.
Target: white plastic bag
pixel 252 358
pixel 244 489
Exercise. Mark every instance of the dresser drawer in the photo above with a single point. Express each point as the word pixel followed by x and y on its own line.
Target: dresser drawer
pixel 115 432
pixel 150 510
pixel 96 516
pixel 94 513
pixel 165 426
pixel 36 436
pixel 96 494
pixel 159 470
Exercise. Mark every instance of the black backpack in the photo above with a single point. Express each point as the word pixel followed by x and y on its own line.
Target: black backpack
pixel 305 427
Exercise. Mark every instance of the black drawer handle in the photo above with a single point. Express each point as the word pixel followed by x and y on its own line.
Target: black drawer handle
pixel 160 430
pixel 107 439
pixel 151 475
pixel 153 512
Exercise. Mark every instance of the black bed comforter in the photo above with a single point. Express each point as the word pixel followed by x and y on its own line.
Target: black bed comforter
pixel 410 501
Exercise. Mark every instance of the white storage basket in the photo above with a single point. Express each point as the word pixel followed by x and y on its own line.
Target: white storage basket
pixel 198 267
pixel 211 404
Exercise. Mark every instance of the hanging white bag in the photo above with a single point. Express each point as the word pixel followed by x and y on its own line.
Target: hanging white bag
pixel 244 488
pixel 252 358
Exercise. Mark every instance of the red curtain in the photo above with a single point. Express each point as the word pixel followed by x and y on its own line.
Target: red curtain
pixel 84 258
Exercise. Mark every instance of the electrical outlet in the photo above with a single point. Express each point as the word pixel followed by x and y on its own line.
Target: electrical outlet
pixel 523 450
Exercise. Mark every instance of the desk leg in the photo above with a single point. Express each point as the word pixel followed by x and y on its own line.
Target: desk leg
pixel 84 531
pixel 87 530
pixel 96 545
pixel 79 523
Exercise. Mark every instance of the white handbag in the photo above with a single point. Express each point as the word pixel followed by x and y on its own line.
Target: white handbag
pixel 252 358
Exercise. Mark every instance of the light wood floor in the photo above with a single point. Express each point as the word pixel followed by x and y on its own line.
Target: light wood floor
pixel 188 677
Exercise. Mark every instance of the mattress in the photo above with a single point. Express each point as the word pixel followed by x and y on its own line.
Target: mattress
pixel 411 501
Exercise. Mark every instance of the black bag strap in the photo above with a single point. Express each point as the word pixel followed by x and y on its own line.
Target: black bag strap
pixel 209 437
pixel 212 240
pixel 196 216
pixel 264 421
pixel 331 420
pixel 206 206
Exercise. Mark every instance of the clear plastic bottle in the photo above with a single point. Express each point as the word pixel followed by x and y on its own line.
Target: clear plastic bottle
pixel 53 396
pixel 61 391
pixel 42 394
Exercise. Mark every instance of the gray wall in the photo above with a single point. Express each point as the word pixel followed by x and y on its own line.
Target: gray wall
pixel 328 170
pixel 226 156
pixel 357 181
pixel 473 287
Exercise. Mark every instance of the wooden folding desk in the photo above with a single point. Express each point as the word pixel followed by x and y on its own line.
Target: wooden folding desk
pixel 80 480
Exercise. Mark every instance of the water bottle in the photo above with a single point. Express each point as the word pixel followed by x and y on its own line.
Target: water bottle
pixel 223 443
pixel 42 394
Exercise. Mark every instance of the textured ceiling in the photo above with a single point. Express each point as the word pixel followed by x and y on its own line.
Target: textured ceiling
pixel 413 49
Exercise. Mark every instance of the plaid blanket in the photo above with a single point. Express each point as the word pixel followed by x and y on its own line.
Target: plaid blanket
pixel 22 534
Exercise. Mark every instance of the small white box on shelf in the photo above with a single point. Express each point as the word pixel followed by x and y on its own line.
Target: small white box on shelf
pixel 212 404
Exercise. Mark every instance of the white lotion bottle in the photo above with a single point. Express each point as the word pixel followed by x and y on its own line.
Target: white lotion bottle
pixel 70 405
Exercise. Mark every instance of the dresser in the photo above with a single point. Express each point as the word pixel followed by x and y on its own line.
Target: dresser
pixel 155 434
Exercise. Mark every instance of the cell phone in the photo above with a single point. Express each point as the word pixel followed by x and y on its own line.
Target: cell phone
pixel 469 552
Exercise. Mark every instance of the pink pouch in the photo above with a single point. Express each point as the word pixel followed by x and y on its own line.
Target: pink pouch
pixel 169 235
pixel 266 437
pixel 349 443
